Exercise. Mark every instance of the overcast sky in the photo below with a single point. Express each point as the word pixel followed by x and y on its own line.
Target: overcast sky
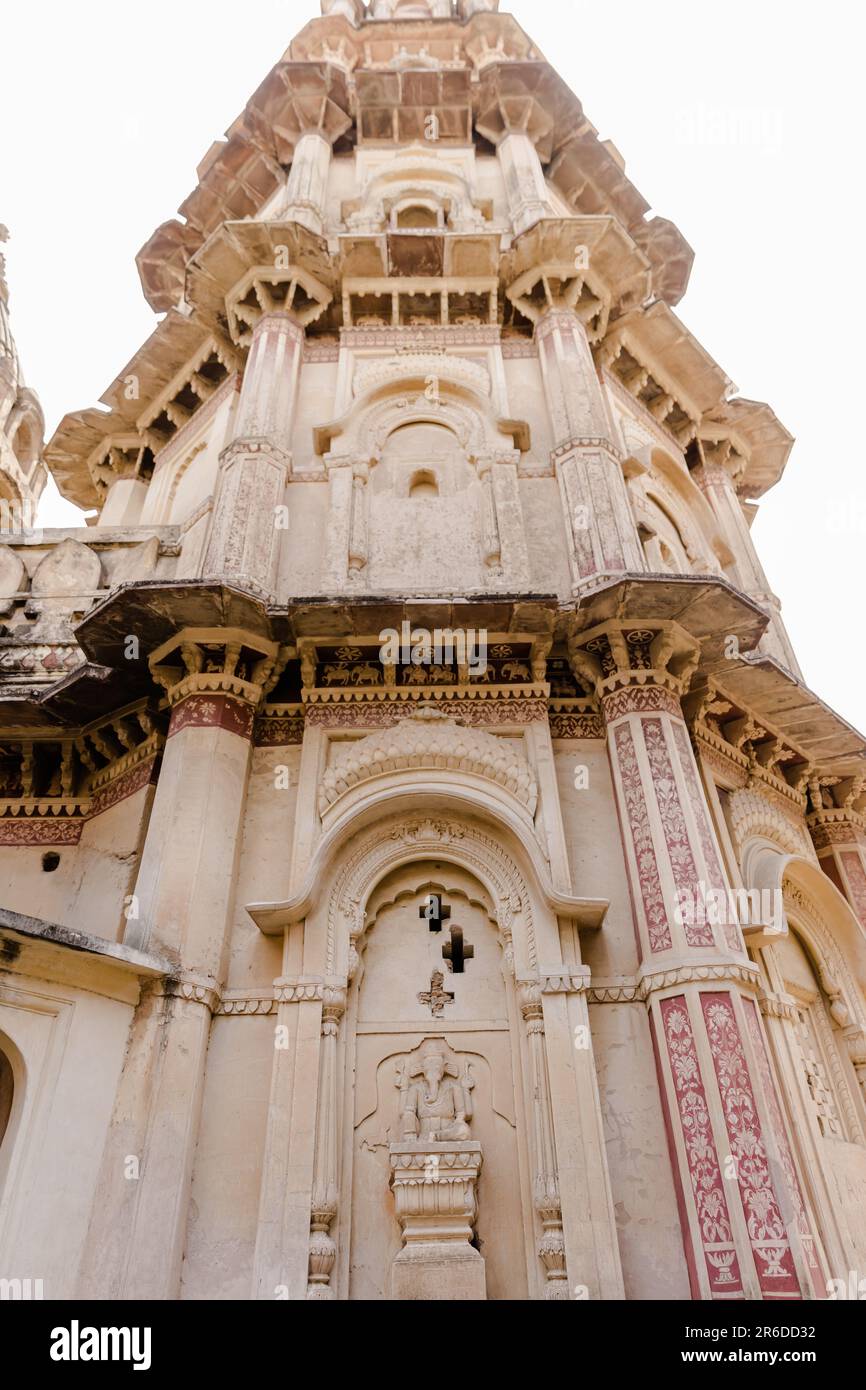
pixel 741 122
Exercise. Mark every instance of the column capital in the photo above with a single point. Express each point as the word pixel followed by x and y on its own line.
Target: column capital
pixel 217 662
pixel 635 666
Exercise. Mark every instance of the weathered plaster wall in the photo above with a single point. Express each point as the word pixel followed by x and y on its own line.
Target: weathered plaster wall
pixel 72 1042
pixel 88 889
pixel 221 1230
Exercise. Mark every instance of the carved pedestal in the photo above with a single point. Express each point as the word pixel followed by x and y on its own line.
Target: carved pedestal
pixel 434 1193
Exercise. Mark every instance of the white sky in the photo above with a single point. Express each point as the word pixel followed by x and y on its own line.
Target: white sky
pixel 741 122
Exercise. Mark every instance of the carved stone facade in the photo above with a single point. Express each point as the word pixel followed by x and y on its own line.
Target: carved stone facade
pixel 424 872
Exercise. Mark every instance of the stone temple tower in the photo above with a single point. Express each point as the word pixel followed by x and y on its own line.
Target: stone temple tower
pixel 425 872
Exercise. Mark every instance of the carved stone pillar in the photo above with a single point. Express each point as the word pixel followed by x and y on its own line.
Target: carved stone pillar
pixel 571 1183
pixel 434 1187
pixel 308 181
pixel 180 910
pixel 745 1224
pixel 292 1250
pixel 346 545
pixel 244 539
pixel 504 533
pixel 719 487
pixel 839 836
pixel 603 539
pixel 323 1251
pixel 545 1184
pixel 528 199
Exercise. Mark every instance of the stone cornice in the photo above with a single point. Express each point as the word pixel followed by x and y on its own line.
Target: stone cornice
pixel 637 989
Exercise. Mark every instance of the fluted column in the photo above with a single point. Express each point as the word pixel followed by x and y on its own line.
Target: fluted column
pixel 747 1230
pixel 603 539
pixel 308 181
pixel 243 545
pixel 523 176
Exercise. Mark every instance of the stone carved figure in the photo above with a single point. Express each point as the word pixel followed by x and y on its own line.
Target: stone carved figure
pixel 435 1096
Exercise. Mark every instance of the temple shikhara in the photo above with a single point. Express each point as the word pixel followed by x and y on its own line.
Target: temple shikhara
pixel 425 873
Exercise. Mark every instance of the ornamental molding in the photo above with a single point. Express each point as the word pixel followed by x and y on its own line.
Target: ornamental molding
pixel 570 981
pixel 263 1002
pixel 637 989
pixel 575 724
pixel 192 989
pixel 839 826
pixel 431 740
pixel 438 366
pixel 235 1004
pixel 279 726
pixel 490 705
pixel 586 441
pixel 778 1006
pixel 754 814
pixel 422 338
pixel 323 695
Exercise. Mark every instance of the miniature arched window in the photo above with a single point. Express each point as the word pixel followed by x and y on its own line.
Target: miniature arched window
pixel 7 1093
pixel 423 484
pixel 416 217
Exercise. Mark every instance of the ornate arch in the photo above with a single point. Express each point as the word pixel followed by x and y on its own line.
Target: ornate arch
pixel 838 951
pixel 400 841
pixel 404 396
pixel 758 822
pixel 659 475
pixel 429 740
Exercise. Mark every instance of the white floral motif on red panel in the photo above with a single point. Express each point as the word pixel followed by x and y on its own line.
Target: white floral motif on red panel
pixel 753 1025
pixel 644 850
pixel 676 832
pixel 856 882
pixel 767 1233
pixel 708 848
pixel 706 1177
